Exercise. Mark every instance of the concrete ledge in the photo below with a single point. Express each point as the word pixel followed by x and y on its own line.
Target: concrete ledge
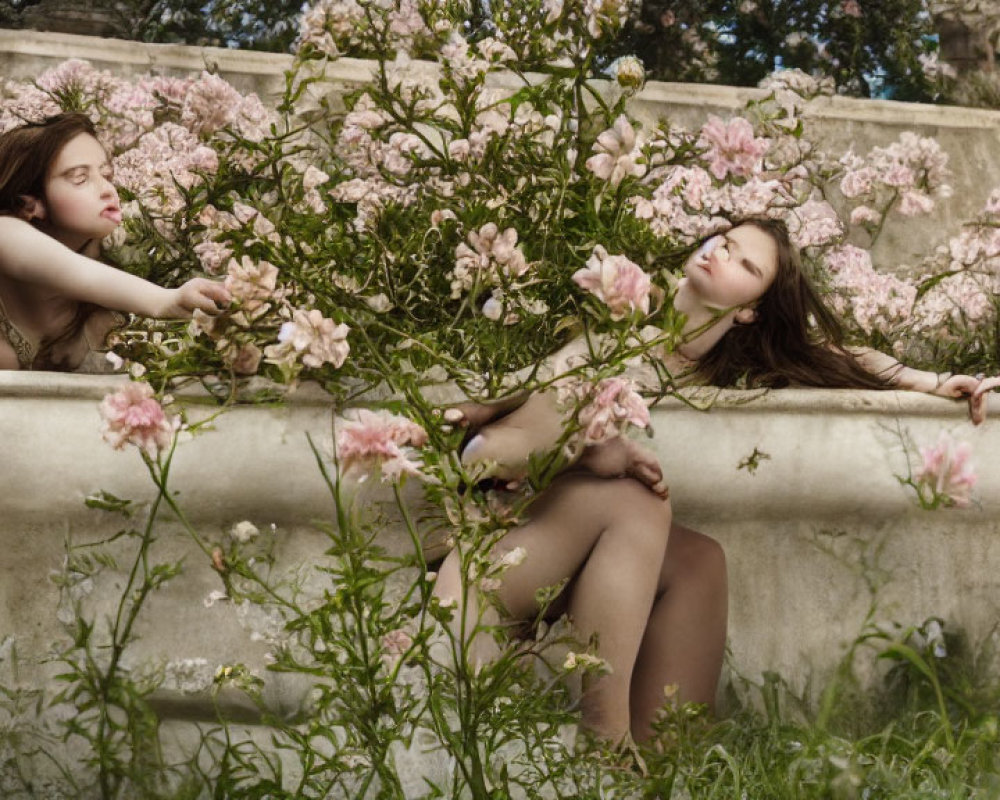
pixel 797 531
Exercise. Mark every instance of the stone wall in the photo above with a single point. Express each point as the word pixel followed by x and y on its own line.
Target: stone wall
pixel 798 531
pixel 970 136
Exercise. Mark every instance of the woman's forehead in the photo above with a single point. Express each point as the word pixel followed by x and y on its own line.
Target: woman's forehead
pixel 82 150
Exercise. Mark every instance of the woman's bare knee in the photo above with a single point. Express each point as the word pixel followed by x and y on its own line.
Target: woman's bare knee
pixel 693 556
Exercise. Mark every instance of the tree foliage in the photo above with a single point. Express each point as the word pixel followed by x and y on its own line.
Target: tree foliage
pixel 862 46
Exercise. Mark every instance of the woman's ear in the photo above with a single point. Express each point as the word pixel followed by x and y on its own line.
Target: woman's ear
pixel 745 316
pixel 31 208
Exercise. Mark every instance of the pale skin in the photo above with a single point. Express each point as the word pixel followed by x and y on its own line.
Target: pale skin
pixel 652 592
pixel 46 263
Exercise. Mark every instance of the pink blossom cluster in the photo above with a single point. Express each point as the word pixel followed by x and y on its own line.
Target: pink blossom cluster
pixel 210 104
pixel 977 246
pixel 168 155
pixel 963 299
pixel 123 110
pixel 491 258
pixel 372 439
pixel 872 299
pixel 913 170
pixel 460 61
pixel 946 471
pixel 22 102
pixel 405 24
pixel 813 224
pixel 618 153
pixel 615 280
pixel 133 415
pixel 212 255
pixel 395 644
pixel 492 121
pixel 329 25
pixel 851 8
pixel 731 147
pixel 609 407
pixel 687 204
pixel 792 88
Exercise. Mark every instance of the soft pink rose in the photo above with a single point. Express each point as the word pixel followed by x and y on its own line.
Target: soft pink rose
pixel 732 148
pixel 319 339
pixel 620 283
pixel 618 153
pixel 133 415
pixel 378 438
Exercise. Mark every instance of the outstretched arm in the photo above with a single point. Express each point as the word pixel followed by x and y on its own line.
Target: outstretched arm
pixel 943 384
pixel 30 256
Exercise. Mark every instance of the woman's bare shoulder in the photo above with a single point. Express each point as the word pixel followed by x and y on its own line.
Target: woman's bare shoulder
pixel 15 234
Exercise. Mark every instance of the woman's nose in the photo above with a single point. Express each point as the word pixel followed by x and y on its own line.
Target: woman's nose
pixel 107 187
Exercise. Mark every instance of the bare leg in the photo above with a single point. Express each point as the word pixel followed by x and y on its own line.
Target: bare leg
pixel 686 634
pixel 578 526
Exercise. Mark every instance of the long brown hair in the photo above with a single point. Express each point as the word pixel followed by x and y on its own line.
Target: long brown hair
pixel 795 338
pixel 26 154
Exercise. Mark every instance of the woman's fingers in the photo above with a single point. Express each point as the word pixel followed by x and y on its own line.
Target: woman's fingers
pixel 645 467
pixel 475 415
pixel 978 399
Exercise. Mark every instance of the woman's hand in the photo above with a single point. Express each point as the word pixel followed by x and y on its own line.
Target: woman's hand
pixel 198 293
pixel 975 388
pixel 625 458
pixel 978 398
pixel 507 433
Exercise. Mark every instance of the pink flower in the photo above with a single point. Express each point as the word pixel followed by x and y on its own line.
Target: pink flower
pixel 813 224
pixel 211 104
pixel 732 148
pixel 946 471
pixel 611 406
pixel 245 358
pixel 619 152
pixel 914 203
pixel 252 284
pixel 851 8
pixel 321 340
pixel 212 256
pixel 620 283
pixel 133 415
pixel 395 645
pixel 378 438
pixel 863 215
pixel 493 254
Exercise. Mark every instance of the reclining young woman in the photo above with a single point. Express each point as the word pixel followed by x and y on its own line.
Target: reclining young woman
pixel 652 592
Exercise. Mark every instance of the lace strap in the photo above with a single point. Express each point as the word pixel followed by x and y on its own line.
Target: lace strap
pixel 23 348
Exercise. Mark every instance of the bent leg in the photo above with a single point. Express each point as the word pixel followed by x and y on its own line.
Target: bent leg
pixel 685 637
pixel 610 534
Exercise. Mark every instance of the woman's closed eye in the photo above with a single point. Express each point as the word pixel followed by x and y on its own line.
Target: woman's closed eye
pixel 750 267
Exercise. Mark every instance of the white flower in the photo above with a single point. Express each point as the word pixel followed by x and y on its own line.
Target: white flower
pixel 244 531
pixel 214 597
